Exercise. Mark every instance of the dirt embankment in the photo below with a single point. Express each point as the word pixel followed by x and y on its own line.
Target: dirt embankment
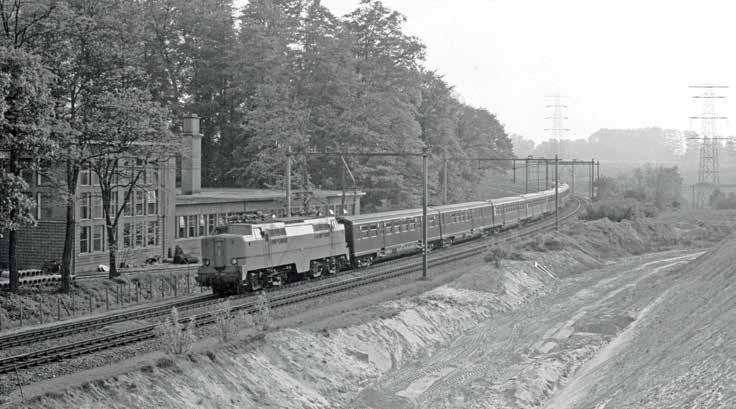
pixel 495 337
pixel 681 352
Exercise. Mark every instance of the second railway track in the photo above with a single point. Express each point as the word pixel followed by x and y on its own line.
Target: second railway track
pixel 293 295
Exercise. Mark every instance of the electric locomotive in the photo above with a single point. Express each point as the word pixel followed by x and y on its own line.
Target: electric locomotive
pixel 253 256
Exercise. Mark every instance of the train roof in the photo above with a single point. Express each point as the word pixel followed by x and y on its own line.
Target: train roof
pixel 537 195
pixel 460 206
pixel 504 200
pixel 394 214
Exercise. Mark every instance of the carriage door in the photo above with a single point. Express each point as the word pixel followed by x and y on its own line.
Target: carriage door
pixel 220 258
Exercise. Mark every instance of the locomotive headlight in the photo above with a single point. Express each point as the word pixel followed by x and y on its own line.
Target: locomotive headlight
pixel 206 262
pixel 234 261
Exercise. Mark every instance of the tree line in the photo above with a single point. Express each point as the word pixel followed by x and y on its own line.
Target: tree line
pixel 92 84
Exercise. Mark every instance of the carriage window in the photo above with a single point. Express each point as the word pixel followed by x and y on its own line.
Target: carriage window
pixel 364 231
pixel 412 224
pixel 374 230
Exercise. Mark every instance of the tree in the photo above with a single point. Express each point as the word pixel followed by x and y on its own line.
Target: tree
pixel 129 138
pixel 94 48
pixel 24 137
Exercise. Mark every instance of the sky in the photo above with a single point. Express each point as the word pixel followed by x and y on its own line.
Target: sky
pixel 619 64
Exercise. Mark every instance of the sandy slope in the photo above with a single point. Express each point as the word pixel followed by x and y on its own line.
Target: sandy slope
pixel 681 353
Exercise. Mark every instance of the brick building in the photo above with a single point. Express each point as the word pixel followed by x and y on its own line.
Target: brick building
pixel 158 217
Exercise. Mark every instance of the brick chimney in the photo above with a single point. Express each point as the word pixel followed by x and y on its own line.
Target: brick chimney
pixel 191 156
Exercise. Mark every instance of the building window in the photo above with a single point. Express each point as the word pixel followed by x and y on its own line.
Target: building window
pixel 84 233
pixel 127 236
pixel 139 202
pixel 202 225
pixel 113 204
pixel 85 205
pixel 220 219
pixel 127 206
pixel 211 223
pixel 38 206
pixel 139 234
pixel 152 236
pixel 97 207
pixel 98 236
pixel 182 230
pixel 85 176
pixel 152 176
pixel 192 226
pixel 151 202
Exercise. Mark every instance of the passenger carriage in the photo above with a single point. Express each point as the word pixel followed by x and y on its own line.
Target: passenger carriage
pixel 388 234
pixel 464 221
pixel 536 203
pixel 509 211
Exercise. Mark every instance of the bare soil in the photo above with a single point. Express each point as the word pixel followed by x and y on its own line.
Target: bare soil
pixel 545 330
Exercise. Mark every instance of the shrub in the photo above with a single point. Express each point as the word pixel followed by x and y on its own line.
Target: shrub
pixel 175 337
pixel 228 321
pixel 500 252
pixel 618 209
pixel 263 319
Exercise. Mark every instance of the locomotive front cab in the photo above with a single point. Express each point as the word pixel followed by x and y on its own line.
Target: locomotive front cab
pixel 223 263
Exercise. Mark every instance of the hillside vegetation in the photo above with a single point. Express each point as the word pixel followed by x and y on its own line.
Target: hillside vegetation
pixel 643 192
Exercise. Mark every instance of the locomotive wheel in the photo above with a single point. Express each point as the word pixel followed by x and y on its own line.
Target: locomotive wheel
pixel 315 269
pixel 331 267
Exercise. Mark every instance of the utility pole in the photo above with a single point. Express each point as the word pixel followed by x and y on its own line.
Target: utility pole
pixel 557 197
pixel 592 168
pixel 425 194
pixel 546 175
pixel 288 182
pixel 526 175
pixel 709 167
pixel 572 174
pixel 444 176
pixel 537 171
pixel 598 170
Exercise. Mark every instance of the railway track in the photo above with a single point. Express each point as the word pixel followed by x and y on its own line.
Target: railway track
pixel 290 295
pixel 93 323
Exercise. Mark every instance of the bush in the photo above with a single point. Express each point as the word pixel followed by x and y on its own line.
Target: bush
pixel 228 321
pixel 263 319
pixel 619 209
pixel 500 252
pixel 176 338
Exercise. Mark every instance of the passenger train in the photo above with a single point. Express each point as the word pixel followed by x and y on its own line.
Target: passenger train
pixel 252 256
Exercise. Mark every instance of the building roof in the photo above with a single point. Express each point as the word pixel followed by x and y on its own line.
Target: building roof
pixel 233 194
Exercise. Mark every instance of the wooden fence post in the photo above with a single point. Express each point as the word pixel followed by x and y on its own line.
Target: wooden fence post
pixel 189 292
pixel 21 314
pixel 90 304
pixel 176 281
pixel 107 300
pixel 162 288
pixel 58 308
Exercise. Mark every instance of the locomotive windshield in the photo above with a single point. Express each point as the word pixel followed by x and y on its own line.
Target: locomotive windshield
pixel 242 229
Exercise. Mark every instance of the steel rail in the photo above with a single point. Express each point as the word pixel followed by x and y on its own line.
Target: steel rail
pixel 281 298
